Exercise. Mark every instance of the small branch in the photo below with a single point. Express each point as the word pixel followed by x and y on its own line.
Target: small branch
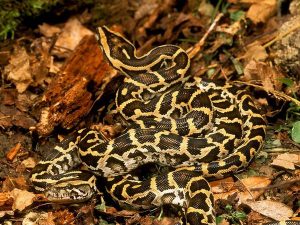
pixel 274 92
pixel 279 37
pixel 197 47
pixel 280 185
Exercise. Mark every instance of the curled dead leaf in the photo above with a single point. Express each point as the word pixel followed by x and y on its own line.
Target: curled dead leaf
pixel 269 76
pixel 18 69
pixel 275 210
pixel 39 218
pixel 69 38
pixel 243 192
pixel 5 197
pixel 29 163
pixel 22 199
pixel 255 51
pixel 11 183
pixel 48 30
pixel 257 182
pixel 287 161
pixel 261 11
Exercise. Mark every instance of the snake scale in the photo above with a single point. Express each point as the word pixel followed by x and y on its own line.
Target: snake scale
pixel 200 128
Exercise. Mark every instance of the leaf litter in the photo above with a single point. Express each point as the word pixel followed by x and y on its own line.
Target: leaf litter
pixel 225 41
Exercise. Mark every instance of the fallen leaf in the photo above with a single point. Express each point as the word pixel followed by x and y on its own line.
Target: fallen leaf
pixel 48 30
pixel 22 199
pixel 206 8
pixel 8 213
pixel 18 70
pixel 287 161
pixel 40 60
pixel 253 182
pixel 5 197
pixel 269 76
pixel 29 163
pixel 224 222
pixel 63 217
pixel 296 132
pixel 69 38
pixel 8 96
pixel 261 11
pixel 255 218
pixel 231 29
pixel 38 218
pixel 246 193
pixel 11 183
pixel 255 51
pixel 275 210
pixel 11 116
pixel 166 221
pixel 223 185
pixel 145 9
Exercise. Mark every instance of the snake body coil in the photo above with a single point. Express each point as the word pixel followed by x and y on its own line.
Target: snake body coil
pixel 200 128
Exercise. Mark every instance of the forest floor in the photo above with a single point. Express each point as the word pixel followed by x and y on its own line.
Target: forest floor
pixel 55 80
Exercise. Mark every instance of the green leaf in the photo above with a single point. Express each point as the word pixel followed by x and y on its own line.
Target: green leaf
pixel 237 65
pixel 219 219
pixel 239 215
pixel 101 207
pixel 210 72
pixel 228 207
pixel 296 132
pixel 252 173
pixel 237 15
pixel 104 222
pixel 287 81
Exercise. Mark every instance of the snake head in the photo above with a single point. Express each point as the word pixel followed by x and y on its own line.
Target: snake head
pixel 116 48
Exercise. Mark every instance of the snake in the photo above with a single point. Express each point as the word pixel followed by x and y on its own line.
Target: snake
pixel 201 129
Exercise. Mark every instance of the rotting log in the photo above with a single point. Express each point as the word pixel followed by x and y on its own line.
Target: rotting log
pixel 69 97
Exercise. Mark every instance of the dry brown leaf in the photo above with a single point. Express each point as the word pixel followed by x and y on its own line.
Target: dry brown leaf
pixel 29 163
pixel 275 210
pixel 231 29
pixel 26 69
pixel 63 217
pixel 5 198
pixel 166 221
pixel 48 30
pixel 222 186
pixel 287 161
pixel 248 183
pixel 39 218
pixel 253 182
pixel 261 11
pixel 206 8
pixel 146 8
pixel 18 70
pixel 256 52
pixel 22 199
pixel 224 222
pixel 269 76
pixel 11 183
pixel 69 38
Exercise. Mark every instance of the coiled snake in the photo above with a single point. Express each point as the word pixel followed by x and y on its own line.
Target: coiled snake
pixel 197 127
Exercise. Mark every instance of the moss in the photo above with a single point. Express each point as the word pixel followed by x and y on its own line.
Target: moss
pixel 13 12
pixel 9 20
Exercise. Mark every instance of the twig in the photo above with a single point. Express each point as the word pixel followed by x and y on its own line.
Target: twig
pixel 274 92
pixel 280 185
pixel 279 37
pixel 197 47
